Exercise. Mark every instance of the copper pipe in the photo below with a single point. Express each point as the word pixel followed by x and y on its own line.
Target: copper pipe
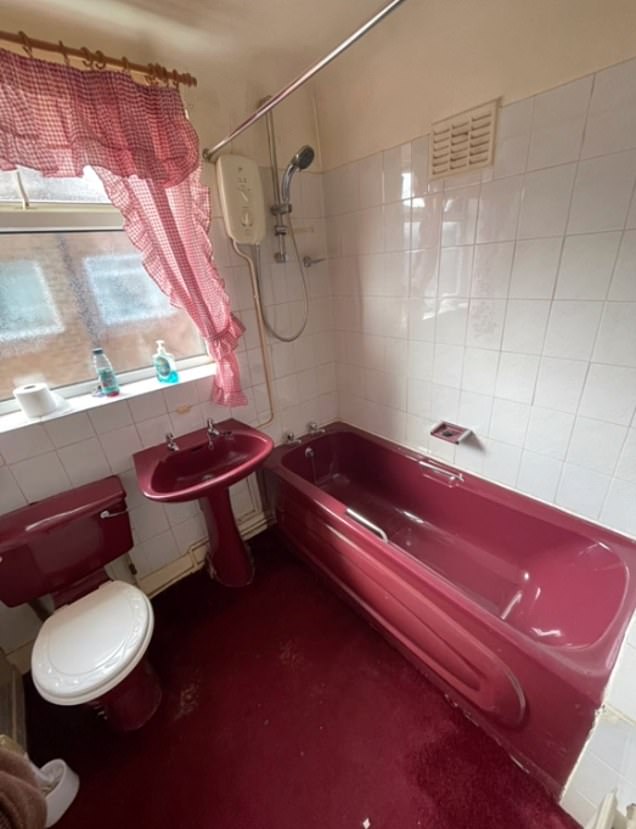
pixel 152 72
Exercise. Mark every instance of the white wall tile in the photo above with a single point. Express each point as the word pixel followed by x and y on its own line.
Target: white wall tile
pixel 189 532
pixel 602 193
pixel 596 444
pixel 426 214
pixel 69 429
pixel 626 467
pixel 27 442
pixel 448 364
pixel 549 432
pixel 582 490
pixel 513 138
pixel 545 202
pixel 148 520
pixel 492 266
pixel 396 165
pixel 84 461
pixel 619 511
pixel 371 180
pixel 558 122
pixel 480 370
pixel 419 167
pixel 572 329
pixel 539 475
pixel 11 496
pixel 112 415
pixel 422 319
pixel 424 267
pixel 41 476
pixel 154 431
pixel 485 323
pixel 623 285
pixel 474 411
pixel 397 225
pixel 586 266
pixel 509 421
pixel 517 376
pixel 501 462
pixel 451 320
pixel 611 124
pixel 560 383
pixel 499 210
pixel 616 341
pixel 525 325
pixel 454 271
pixel 459 216
pixel 119 447
pixel 534 268
pixel 621 690
pixel 147 406
pixel 610 394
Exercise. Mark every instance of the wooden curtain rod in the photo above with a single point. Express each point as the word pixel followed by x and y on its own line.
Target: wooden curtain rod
pixel 152 72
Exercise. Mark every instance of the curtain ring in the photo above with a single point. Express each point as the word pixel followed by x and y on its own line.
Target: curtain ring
pixel 26 44
pixel 100 60
pixel 151 75
pixel 64 52
pixel 88 59
pixel 125 67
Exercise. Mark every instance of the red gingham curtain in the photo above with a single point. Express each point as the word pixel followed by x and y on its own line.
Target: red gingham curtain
pixel 58 119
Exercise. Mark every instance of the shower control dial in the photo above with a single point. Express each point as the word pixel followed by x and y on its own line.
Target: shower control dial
pixel 242 200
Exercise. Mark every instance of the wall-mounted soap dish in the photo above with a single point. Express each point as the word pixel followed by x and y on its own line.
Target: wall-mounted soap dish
pixel 450 432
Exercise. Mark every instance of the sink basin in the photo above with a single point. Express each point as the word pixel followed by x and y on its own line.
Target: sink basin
pixel 196 468
pixel 202 471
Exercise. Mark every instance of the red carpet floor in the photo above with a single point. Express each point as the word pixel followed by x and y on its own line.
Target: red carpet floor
pixel 284 710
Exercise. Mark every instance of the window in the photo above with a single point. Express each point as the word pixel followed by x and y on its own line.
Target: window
pixel 27 309
pixel 123 291
pixel 70 280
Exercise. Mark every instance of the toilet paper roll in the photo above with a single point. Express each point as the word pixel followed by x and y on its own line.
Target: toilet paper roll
pixel 35 399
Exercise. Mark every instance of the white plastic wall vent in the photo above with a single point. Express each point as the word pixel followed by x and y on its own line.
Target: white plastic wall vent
pixel 463 142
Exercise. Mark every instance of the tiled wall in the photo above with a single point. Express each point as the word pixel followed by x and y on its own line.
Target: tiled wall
pixel 608 761
pixel 42 459
pixel 504 300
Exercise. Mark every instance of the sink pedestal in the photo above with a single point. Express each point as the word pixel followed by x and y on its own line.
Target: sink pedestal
pixel 229 558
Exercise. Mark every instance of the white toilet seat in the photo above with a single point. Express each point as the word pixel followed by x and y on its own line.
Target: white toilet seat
pixel 88 647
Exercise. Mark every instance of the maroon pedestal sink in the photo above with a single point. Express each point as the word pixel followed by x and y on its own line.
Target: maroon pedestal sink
pixel 201 466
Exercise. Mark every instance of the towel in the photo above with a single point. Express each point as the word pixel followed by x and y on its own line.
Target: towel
pixel 22 804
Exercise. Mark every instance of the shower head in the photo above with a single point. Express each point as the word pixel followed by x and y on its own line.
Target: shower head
pixel 300 161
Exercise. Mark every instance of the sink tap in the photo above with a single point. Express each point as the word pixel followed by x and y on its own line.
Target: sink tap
pixel 314 429
pixel 213 432
pixel 172 443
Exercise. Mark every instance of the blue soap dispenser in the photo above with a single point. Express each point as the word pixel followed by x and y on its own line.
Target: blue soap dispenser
pixel 164 363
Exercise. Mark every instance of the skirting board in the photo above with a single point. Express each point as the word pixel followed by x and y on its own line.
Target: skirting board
pixel 249 525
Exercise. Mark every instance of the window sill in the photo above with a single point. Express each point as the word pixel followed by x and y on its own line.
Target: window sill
pixel 86 402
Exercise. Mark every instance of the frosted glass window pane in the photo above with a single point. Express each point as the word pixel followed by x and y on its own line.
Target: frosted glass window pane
pixel 86 190
pixel 27 309
pixel 66 310
pixel 123 290
pixel 9 191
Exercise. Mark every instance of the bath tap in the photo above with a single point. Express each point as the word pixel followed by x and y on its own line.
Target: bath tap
pixel 172 443
pixel 213 432
pixel 314 429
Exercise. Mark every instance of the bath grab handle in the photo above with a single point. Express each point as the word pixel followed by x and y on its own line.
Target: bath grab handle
pixel 106 513
pixel 368 524
pixel 451 476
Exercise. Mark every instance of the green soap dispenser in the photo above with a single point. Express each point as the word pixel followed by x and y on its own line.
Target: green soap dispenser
pixel 164 363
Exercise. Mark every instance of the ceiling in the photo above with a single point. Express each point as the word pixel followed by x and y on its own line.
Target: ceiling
pixel 291 34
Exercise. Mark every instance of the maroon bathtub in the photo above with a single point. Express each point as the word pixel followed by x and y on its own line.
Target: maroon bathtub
pixel 514 609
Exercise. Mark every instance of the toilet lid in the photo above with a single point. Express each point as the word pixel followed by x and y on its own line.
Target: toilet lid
pixel 86 648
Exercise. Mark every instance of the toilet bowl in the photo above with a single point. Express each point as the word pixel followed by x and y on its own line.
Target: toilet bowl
pixel 91 650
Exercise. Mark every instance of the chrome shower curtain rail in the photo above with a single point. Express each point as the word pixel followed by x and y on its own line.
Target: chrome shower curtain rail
pixel 210 153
